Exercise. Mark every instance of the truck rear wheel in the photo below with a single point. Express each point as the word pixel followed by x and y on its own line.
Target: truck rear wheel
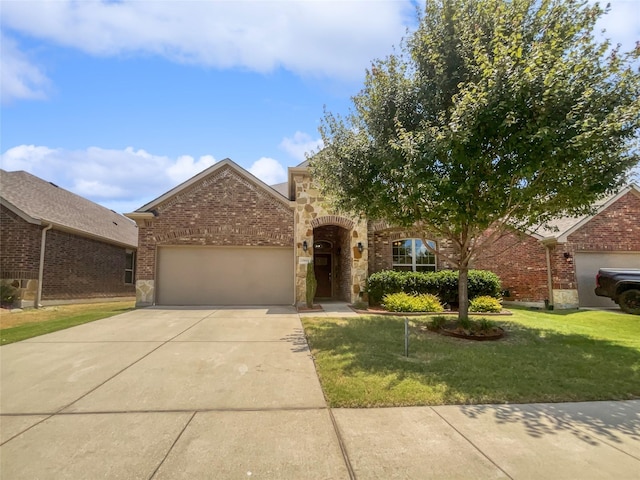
pixel 630 301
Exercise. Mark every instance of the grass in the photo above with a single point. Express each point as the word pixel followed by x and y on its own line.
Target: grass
pixel 15 327
pixel 545 357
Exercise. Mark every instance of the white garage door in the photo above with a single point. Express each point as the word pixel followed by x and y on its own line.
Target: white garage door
pixel 225 276
pixel 587 266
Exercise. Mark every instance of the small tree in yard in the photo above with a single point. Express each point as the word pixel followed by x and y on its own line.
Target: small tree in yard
pixel 495 114
pixel 312 285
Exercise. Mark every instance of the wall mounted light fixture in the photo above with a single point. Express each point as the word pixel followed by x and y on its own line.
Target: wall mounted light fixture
pixel 360 247
pixel 305 245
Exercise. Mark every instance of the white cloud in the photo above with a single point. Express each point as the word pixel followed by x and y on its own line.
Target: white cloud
pixel 186 167
pixel 20 79
pixel 97 189
pixel 300 145
pixel 123 180
pixel 268 170
pixel 622 23
pixel 333 39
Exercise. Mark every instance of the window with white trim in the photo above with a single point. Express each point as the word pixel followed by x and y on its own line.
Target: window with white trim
pixel 410 254
pixel 129 267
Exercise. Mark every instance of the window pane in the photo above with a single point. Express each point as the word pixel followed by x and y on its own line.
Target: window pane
pixel 402 252
pixel 411 254
pixel 129 261
pixel 128 276
pixel 424 256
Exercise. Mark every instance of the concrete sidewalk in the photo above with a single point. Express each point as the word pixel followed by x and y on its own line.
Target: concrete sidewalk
pixel 233 393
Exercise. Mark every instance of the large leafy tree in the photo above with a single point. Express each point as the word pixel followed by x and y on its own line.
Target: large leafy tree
pixel 494 114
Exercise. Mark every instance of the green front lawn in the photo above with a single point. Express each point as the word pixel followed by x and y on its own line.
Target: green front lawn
pixel 545 357
pixel 15 327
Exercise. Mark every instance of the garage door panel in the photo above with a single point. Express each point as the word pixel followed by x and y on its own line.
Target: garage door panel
pixel 224 276
pixel 587 266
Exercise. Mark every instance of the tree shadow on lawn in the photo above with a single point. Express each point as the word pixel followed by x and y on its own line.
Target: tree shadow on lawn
pixel 528 366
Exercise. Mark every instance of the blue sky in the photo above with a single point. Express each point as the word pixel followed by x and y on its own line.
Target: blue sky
pixel 119 101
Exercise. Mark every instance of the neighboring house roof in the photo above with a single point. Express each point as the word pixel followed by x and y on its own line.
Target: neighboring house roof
pixel 205 173
pixel 40 202
pixel 559 229
pixel 282 188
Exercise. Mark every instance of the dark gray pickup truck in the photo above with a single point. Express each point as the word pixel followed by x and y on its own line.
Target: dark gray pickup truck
pixel 622 286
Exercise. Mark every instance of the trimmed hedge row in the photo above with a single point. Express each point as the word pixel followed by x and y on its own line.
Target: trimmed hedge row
pixel 443 284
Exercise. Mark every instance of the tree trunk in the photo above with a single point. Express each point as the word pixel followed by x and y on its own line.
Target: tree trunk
pixel 463 292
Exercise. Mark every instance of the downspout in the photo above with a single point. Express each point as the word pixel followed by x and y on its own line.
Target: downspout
pixel 548 245
pixel 41 267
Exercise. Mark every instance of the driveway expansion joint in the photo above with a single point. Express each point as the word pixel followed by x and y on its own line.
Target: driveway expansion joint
pixel 471 443
pixel 172 446
pixel 342 445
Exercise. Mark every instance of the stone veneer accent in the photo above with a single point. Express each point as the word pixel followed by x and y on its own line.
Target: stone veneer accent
pixel 145 290
pixel 311 211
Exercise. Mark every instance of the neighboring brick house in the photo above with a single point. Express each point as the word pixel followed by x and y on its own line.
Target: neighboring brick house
pixel 57 247
pixel 225 237
pixel 558 266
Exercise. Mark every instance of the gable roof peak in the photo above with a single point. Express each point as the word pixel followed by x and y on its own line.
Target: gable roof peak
pixel 227 162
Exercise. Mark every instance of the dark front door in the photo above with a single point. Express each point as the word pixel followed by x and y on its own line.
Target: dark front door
pixel 322 267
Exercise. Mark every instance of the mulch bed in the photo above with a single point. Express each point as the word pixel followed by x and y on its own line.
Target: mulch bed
pixel 493 334
pixel 315 308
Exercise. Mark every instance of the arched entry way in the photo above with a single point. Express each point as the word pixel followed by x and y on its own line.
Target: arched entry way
pixel 332 262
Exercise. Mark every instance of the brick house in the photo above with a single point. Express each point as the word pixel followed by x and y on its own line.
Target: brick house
pixel 57 247
pixel 225 237
pixel 558 266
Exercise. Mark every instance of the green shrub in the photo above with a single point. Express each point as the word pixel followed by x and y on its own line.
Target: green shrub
pixel 360 305
pixel 484 283
pixel 485 304
pixel 443 284
pixel 485 325
pixel 465 323
pixel 312 285
pixel 437 322
pixel 404 302
pixel 8 294
pixel 385 282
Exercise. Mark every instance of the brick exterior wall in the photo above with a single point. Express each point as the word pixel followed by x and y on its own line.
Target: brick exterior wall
pixel 521 263
pixel 381 244
pixel 19 247
pixel 223 208
pixel 75 267
pixel 615 229
pixel 79 267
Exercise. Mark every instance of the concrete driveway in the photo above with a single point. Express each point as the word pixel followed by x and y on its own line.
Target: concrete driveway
pixel 233 393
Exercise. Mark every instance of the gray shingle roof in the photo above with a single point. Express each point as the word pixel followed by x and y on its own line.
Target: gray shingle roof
pixel 48 203
pixel 282 188
pixel 561 227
